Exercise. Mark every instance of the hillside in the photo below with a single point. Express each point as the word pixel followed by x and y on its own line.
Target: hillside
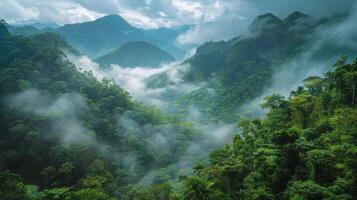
pixel 107 33
pixel 133 54
pixel 65 134
pixel 306 147
pixel 104 110
pixel 240 69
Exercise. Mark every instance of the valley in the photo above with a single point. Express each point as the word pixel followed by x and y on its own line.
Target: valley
pixel 106 110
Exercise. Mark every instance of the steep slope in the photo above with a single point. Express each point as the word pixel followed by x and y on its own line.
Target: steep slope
pixel 241 68
pixel 107 33
pixel 4 33
pixel 4 36
pixel 134 54
pixel 207 61
pixel 104 33
pixel 54 41
pixel 69 135
pixel 305 148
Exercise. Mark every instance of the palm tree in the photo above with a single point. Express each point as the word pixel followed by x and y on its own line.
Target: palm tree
pixel 198 189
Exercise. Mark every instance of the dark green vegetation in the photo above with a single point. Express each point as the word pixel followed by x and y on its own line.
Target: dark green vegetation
pixel 66 135
pixel 133 54
pixel 239 70
pixel 306 148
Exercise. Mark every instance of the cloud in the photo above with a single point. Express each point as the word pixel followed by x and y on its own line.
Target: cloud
pixel 134 80
pixel 14 11
pixel 223 30
pixel 317 8
pixel 62 113
pixel 341 37
pixel 158 13
pixel 61 12
pixel 141 13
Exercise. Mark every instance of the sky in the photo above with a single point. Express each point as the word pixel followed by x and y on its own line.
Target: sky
pixel 161 13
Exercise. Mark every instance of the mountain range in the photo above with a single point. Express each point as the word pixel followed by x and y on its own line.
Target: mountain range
pixel 136 54
pixel 103 35
pixel 240 69
pixel 68 133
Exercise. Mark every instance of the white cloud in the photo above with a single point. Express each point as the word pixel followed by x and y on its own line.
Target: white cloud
pixel 142 13
pixel 213 32
pixel 14 11
pixel 61 12
pixel 158 13
pixel 133 80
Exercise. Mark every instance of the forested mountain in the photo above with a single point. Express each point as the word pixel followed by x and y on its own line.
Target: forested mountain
pixel 238 70
pixel 68 135
pixel 70 129
pixel 134 54
pixel 31 28
pixel 24 30
pixel 306 147
pixel 109 32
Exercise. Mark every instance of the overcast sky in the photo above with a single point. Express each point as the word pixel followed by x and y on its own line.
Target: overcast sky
pixel 161 13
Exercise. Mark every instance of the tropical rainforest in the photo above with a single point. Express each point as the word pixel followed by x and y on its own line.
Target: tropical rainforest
pixel 102 109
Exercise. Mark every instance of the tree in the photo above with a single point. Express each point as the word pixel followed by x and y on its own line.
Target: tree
pixel 314 84
pixel 197 188
pixel 351 79
pixel 11 187
pixel 274 101
pixel 308 190
pixel 89 194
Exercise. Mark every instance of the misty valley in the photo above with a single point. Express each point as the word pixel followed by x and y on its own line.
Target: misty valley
pixel 256 106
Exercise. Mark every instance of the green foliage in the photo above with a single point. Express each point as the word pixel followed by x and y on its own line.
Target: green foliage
pixel 158 192
pixel 12 187
pixel 306 190
pixel 72 135
pixel 304 149
pixel 198 189
pixel 89 194
pixel 56 193
pixel 239 70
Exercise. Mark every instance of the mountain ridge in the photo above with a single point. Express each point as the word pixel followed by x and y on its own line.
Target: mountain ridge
pixel 135 54
pixel 109 32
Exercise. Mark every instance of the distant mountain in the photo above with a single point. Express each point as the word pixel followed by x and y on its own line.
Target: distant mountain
pixel 169 35
pixel 101 36
pixel 238 70
pixel 24 30
pixel 133 54
pixel 4 33
pixel 31 28
pixel 42 26
pixel 55 41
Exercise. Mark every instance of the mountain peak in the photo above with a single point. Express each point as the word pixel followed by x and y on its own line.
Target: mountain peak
pixel 293 17
pixel 113 19
pixel 136 53
pixel 263 22
pixel 140 44
pixel 268 18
